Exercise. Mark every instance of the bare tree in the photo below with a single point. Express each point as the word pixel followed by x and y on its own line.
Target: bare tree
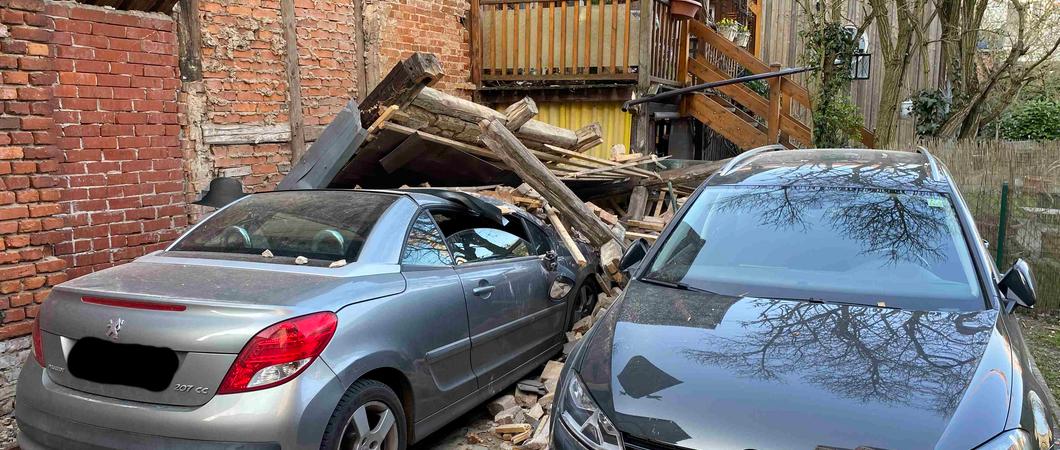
pixel 983 86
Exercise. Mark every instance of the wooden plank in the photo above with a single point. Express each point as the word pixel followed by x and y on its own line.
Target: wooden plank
pixel 564 77
pixel 589 35
pixel 563 36
pixel 404 153
pixel 647 236
pixel 476 42
pixel 682 54
pixel 638 203
pixel 551 37
pixel 189 37
pixel 624 165
pixel 515 39
pixel 401 85
pixel 504 37
pixel 614 34
pixel 564 236
pixel 534 173
pixel 629 30
pixel 294 80
pixel 575 63
pixel 600 40
pixel 575 155
pixel 526 39
pixel 723 121
pixel 245 133
pixel 493 38
pixel 540 39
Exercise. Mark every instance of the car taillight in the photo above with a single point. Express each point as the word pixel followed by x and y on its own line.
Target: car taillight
pixel 38 343
pixel 279 353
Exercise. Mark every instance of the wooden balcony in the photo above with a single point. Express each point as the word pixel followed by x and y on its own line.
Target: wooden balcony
pixel 548 42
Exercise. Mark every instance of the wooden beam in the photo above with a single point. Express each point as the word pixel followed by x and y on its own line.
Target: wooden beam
pixel 534 173
pixel 359 67
pixel 564 235
pixel 245 133
pixel 189 37
pixel 401 85
pixel 475 16
pixel 294 81
pixel 589 136
pixel 519 113
pixel 638 203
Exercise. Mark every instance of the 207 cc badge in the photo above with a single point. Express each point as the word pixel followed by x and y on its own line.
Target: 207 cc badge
pixel 114 327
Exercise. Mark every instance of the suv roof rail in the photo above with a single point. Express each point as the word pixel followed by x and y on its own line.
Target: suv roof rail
pixel 745 156
pixel 935 174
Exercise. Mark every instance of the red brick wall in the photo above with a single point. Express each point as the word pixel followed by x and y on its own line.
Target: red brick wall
pixel 90 166
pixel 116 113
pixel 433 26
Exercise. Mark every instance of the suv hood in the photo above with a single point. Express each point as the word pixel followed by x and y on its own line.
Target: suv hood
pixel 702 370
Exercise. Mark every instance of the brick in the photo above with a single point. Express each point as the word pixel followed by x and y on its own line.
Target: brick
pixel 11 152
pixel 15 330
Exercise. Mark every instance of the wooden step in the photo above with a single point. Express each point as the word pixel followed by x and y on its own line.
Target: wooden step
pixel 749 99
pixel 725 122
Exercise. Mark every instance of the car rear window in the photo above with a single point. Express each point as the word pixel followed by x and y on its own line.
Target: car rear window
pixel 865 246
pixel 322 226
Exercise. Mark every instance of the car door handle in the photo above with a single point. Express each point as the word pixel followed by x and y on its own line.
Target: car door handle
pixel 484 291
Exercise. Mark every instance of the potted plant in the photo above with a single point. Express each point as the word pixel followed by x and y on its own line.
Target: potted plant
pixel 728 28
pixel 684 9
pixel 743 36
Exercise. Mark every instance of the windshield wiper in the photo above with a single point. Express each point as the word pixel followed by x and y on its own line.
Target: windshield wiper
pixel 821 301
pixel 675 285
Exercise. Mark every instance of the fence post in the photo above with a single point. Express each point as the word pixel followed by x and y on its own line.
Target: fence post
pixel 1002 225
pixel 476 44
pixel 775 96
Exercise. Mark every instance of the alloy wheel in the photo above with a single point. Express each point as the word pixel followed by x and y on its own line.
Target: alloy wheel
pixel 372 427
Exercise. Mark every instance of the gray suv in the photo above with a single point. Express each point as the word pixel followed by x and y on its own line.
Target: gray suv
pixel 303 320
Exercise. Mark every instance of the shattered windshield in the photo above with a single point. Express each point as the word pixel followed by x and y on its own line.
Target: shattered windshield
pixel 866 246
pixel 321 226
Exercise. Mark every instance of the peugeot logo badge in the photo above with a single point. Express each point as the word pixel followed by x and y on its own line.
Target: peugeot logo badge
pixel 113 327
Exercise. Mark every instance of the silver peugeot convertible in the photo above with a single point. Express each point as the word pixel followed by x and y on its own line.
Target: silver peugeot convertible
pixel 303 320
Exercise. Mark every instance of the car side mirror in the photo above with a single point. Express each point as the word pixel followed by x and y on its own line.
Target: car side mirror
pixel 549 260
pixel 1018 284
pixel 634 254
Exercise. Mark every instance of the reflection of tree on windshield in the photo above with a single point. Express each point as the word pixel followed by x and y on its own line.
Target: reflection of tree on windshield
pixel 915 358
pixel 899 227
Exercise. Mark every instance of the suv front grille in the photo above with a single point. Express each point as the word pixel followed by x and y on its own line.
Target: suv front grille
pixel 635 443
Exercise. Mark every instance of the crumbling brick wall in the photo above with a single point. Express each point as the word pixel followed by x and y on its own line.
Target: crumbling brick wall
pixel 89 160
pixel 394 29
pixel 244 82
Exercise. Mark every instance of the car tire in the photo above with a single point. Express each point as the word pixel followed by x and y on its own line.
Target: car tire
pixel 372 406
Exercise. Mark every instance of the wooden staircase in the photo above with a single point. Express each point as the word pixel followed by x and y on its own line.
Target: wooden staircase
pixel 741 115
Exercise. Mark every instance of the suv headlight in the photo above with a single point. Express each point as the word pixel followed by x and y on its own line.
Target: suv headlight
pixel 585 420
pixel 1010 440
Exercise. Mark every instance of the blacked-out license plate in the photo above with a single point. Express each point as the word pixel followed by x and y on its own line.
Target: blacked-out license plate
pixel 104 362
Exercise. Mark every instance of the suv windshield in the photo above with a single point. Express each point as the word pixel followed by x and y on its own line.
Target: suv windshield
pixel 873 247
pixel 323 226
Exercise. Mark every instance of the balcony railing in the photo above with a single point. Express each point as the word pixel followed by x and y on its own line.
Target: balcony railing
pixel 571 40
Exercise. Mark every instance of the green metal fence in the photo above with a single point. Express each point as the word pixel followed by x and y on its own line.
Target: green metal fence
pixel 1013 189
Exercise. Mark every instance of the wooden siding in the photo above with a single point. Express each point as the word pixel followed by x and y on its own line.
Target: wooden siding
pixel 780 24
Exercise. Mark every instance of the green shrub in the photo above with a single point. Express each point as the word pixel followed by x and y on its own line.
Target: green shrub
pixel 1037 120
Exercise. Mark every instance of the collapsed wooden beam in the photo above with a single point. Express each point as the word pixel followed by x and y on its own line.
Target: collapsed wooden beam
pixel 534 173
pixel 564 235
pixel 589 136
pixel 453 117
pixel 404 82
pixel 520 112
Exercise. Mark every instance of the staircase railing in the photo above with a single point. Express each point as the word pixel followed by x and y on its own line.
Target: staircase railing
pixel 716 58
